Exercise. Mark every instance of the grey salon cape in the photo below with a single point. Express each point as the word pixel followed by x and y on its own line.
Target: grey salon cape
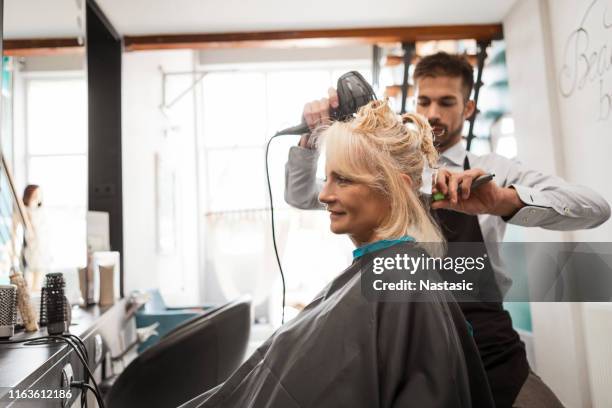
pixel 345 351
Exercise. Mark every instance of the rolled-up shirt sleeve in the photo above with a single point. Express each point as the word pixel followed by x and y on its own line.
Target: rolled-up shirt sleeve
pixel 553 203
pixel 301 184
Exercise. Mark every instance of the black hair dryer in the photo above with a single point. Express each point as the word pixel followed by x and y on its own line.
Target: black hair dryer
pixel 353 93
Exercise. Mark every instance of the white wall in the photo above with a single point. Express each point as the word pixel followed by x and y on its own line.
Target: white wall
pixel 536 124
pixel 581 45
pixel 147 132
pixel 564 136
pixel 539 146
pixel 584 93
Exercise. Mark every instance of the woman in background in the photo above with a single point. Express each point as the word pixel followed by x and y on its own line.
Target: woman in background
pixel 35 257
pixel 343 350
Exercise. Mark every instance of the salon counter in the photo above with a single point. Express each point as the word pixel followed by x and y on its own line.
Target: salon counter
pixel 33 374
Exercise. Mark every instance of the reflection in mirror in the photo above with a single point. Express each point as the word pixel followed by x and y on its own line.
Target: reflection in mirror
pixel 43 139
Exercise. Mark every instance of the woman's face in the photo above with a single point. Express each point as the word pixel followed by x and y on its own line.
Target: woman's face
pixel 354 208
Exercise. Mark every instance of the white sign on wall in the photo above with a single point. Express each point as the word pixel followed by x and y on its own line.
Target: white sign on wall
pixel 581 33
pixel 585 64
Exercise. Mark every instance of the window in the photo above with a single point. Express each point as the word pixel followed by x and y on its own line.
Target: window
pixel 241 111
pixel 56 159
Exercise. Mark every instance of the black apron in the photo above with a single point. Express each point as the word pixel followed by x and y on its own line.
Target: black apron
pixel 502 351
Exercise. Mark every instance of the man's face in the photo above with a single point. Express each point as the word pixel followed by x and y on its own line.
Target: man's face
pixel 441 101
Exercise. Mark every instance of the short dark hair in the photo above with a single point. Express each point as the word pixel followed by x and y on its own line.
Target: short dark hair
pixel 449 65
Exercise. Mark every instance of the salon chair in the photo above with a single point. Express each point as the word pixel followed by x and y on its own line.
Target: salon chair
pixel 196 356
pixel 155 311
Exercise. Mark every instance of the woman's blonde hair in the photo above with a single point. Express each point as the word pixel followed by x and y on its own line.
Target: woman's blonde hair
pixel 376 148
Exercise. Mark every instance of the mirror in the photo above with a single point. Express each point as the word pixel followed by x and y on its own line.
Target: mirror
pixel 43 138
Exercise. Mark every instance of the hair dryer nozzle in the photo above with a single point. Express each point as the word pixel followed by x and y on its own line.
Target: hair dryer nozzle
pixel 353 93
pixel 295 130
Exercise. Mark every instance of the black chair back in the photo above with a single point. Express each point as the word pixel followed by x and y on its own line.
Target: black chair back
pixel 196 356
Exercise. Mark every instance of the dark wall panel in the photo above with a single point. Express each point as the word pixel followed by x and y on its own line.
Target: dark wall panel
pixel 104 50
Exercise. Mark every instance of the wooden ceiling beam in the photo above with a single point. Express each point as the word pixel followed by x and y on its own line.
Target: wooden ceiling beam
pixel 313 38
pixel 280 39
pixel 42 46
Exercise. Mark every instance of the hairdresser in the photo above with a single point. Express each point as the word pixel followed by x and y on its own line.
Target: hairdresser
pixel 518 195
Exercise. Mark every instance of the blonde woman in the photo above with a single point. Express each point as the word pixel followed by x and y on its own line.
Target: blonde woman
pixel 343 350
